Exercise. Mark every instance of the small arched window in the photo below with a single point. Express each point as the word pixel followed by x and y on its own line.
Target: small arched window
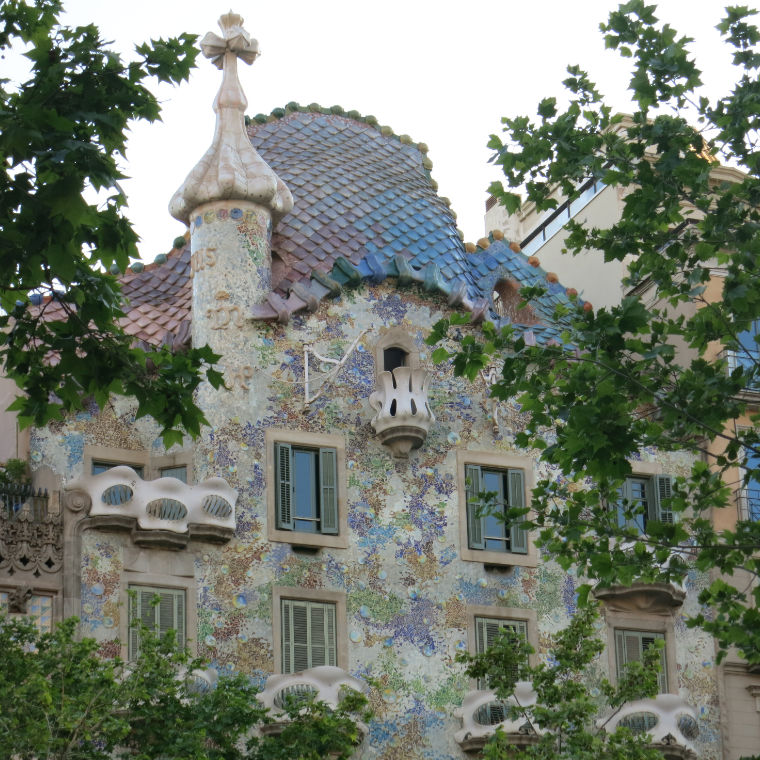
pixel 394 357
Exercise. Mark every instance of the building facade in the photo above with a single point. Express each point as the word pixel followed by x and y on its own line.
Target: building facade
pixel 327 516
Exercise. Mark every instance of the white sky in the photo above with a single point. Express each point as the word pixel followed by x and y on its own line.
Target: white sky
pixel 443 72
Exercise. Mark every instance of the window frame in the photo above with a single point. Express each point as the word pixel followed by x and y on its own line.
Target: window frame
pixel 507 615
pixel 395 337
pixel 636 620
pixel 338 598
pixel 621 634
pixel 38 592
pixel 658 485
pixel 495 461
pixel 306 440
pixel 132 635
pixel 158 568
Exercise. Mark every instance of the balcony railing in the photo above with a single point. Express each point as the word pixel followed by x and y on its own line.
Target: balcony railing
pixel 748 502
pixel 18 501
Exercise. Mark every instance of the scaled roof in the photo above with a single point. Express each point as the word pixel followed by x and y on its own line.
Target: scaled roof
pixel 365 209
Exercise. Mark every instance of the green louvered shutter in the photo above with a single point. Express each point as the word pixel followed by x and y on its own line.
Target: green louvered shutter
pixel 486 630
pixel 474 522
pixel 283 465
pixel 308 635
pixel 518 536
pixel 168 614
pixel 663 489
pixel 630 647
pixel 328 491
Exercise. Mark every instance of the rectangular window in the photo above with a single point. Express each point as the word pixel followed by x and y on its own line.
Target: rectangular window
pixel 630 647
pixel 486 630
pixel 748 354
pixel 306 494
pixel 100 466
pixel 167 614
pixel 179 472
pixel 643 499
pixel 309 636
pixel 39 609
pixel 487 525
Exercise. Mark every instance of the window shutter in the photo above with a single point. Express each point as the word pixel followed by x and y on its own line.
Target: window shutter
pixel 328 491
pixel 171 613
pixel 287 636
pixel 663 490
pixel 518 536
pixel 283 459
pixel 486 630
pixel 647 640
pixel 474 522
pixel 630 647
pixel 308 635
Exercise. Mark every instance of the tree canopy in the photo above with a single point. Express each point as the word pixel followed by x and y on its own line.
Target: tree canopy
pixel 566 720
pixel 61 700
pixel 62 134
pixel 671 368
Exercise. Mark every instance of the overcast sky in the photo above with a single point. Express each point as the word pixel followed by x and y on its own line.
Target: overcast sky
pixel 443 72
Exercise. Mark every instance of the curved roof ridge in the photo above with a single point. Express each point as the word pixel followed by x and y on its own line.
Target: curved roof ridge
pixel 370 120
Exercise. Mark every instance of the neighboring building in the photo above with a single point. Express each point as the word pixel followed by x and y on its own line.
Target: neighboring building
pixel 601 283
pixel 327 516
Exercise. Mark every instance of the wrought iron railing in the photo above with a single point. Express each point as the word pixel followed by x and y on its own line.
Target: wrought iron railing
pixel 17 500
pixel 748 502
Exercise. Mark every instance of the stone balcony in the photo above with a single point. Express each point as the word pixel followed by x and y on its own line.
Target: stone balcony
pixel 322 684
pixel 164 512
pixel 668 719
pixel 482 713
pixel 402 414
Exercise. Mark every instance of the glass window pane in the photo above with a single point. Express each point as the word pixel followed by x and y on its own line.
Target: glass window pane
pixel 179 472
pixel 98 467
pixel 305 480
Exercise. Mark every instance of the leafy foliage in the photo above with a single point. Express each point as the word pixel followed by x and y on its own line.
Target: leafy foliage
pixel 62 133
pixel 59 699
pixel 652 372
pixel 566 719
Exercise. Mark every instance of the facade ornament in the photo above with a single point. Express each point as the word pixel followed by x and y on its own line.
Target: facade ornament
pixel 18 598
pixel 402 413
pixel 231 169
pixel 31 543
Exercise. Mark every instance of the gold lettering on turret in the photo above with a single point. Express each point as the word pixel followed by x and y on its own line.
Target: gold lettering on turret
pixel 202 259
pixel 223 314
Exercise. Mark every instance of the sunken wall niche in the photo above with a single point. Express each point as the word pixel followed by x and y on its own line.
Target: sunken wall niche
pixel 402 413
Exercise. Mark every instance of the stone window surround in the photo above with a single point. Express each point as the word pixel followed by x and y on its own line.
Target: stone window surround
pixel 338 598
pixel 182 578
pixel 315 440
pixel 499 461
pixel 151 464
pixel 646 623
pixel 395 337
pixel 530 617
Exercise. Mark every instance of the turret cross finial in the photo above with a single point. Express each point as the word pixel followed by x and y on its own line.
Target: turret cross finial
pixel 235 40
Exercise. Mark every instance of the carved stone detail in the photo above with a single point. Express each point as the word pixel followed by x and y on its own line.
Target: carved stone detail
pixel 403 416
pixel 164 511
pixel 474 733
pixel 31 544
pixel 642 597
pixel 325 683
